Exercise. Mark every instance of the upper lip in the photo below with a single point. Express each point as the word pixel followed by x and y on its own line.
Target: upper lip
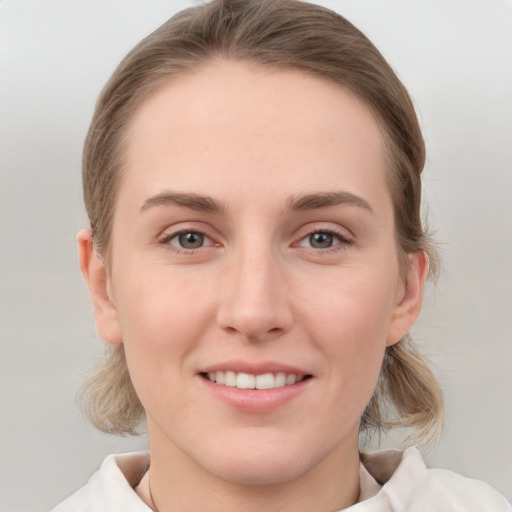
pixel 254 368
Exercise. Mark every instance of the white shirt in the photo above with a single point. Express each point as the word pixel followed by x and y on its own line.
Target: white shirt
pixel 390 482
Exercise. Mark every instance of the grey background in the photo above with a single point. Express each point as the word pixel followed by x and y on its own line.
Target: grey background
pixel 455 56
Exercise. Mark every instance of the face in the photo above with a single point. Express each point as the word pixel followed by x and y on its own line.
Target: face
pixel 253 247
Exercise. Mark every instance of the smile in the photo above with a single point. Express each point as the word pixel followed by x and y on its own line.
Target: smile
pixel 243 380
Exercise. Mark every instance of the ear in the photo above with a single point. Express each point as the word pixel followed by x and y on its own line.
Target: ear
pixel 410 297
pixel 98 281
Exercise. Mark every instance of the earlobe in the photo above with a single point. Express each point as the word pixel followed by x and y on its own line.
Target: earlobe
pixel 96 276
pixel 409 301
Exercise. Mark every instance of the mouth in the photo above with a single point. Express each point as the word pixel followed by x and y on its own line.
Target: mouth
pixel 261 381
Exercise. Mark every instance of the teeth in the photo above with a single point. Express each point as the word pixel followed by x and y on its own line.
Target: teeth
pixel 265 381
pixel 245 381
pixel 280 380
pixel 291 379
pixel 248 381
pixel 229 379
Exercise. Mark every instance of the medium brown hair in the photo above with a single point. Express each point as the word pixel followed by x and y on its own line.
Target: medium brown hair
pixel 272 33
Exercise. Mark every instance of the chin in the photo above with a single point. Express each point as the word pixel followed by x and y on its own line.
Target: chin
pixel 259 473
pixel 263 464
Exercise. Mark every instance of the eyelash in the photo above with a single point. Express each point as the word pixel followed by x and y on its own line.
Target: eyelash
pixel 342 241
pixel 165 241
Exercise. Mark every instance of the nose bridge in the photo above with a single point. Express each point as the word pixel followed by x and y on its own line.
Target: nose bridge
pixel 254 300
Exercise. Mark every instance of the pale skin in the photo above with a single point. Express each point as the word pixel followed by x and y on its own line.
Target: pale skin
pixel 279 180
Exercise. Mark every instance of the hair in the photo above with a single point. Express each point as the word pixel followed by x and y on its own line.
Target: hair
pixel 275 34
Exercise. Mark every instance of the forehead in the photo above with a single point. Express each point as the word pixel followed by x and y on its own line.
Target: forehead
pixel 231 121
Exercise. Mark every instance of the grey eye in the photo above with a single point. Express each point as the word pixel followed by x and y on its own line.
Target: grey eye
pixel 321 240
pixel 190 240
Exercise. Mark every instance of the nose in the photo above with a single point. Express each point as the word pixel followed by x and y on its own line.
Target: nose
pixel 254 299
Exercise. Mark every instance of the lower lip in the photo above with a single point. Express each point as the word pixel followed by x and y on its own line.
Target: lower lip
pixel 256 400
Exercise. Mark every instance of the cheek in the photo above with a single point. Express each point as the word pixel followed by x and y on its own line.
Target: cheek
pixel 351 322
pixel 162 321
pixel 356 303
pixel 160 304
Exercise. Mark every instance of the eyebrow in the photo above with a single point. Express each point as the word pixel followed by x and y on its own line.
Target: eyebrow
pixel 295 203
pixel 187 200
pixel 326 199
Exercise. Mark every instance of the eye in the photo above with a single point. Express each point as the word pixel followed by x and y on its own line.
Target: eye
pixel 188 240
pixel 322 240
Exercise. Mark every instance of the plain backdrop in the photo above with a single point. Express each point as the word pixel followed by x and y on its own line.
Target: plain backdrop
pixel 455 56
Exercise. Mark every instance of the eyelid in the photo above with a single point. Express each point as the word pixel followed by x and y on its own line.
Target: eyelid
pixel 184 227
pixel 344 234
pixel 172 236
pixel 337 240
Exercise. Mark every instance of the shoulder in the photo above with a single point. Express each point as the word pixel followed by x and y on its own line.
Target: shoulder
pixel 110 489
pixel 408 485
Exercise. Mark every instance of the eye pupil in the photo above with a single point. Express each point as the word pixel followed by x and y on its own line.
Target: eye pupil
pixel 321 240
pixel 191 240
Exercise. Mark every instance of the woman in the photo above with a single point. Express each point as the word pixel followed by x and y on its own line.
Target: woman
pixel 256 259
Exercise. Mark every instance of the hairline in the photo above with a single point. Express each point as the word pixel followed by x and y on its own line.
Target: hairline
pixel 159 80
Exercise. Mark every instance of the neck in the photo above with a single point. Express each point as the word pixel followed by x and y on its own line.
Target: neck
pixel 179 484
